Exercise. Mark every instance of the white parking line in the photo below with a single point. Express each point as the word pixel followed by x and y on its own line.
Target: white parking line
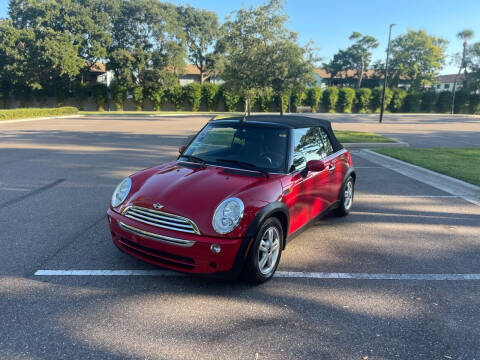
pixel 278 274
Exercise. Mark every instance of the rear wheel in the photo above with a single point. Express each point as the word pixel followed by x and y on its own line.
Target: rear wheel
pixel 346 198
pixel 264 256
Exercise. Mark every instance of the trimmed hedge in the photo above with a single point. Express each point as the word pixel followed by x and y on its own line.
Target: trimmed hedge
pixel 444 102
pixel 398 98
pixel 362 100
pixel 36 112
pixel 429 99
pixel 330 98
pixel 314 94
pixel 346 96
pixel 376 99
pixel 412 102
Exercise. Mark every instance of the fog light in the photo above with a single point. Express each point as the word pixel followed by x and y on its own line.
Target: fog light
pixel 215 248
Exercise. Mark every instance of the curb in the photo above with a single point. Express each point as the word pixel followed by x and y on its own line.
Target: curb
pixel 445 183
pixel 356 146
pixel 41 118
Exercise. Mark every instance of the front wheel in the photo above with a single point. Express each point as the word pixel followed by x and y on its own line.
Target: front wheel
pixel 346 197
pixel 264 256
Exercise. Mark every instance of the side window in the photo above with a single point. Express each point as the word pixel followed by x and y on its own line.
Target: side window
pixel 327 144
pixel 310 144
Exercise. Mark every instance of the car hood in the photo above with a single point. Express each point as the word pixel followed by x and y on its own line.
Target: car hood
pixel 196 192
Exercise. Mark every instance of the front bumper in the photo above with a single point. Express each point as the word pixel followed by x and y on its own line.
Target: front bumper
pixel 172 249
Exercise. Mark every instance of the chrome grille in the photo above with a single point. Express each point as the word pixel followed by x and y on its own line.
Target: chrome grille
pixel 161 219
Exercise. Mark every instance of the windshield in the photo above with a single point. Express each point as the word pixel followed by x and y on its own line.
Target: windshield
pixel 245 146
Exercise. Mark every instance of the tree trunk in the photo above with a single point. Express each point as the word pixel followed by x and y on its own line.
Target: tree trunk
pixel 202 80
pixel 462 65
pixel 360 76
pixel 247 106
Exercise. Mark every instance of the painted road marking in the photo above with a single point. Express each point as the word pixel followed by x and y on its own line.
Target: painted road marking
pixel 278 274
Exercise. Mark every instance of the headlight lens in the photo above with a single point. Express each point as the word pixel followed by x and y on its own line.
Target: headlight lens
pixel 121 192
pixel 227 215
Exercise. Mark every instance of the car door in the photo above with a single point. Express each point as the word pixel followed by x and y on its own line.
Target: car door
pixel 305 192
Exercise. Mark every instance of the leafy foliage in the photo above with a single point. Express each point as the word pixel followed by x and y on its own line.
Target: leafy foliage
pixel 193 95
pixel 429 99
pixel 314 94
pixel 346 96
pixel 376 100
pixel 138 97
pixel 330 98
pixel 33 112
pixel 412 101
pixel 417 56
pixel 461 102
pixel 99 93
pixel 474 103
pixel 210 95
pixel 362 99
pixel 444 102
pixel 265 99
pixel 398 98
pixel 297 98
pixel 176 96
pixel 230 98
pixel 119 94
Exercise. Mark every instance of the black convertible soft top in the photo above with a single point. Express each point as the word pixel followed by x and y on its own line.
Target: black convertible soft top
pixel 288 121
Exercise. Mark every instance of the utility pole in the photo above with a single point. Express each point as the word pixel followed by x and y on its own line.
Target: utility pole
pixel 386 73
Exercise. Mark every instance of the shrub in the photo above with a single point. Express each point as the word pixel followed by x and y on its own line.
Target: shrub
pixel 265 99
pixel 297 98
pixel 156 97
pixel 398 98
pixel 80 93
pixel 444 102
pixel 314 94
pixel 429 99
pixel 376 99
pixel 412 101
pixel 282 101
pixel 119 94
pixel 230 98
pixel 35 112
pixel 461 102
pixel 362 99
pixel 138 97
pixel 210 93
pixel 329 98
pixel 193 95
pixel 346 96
pixel 474 104
pixel 176 96
pixel 99 93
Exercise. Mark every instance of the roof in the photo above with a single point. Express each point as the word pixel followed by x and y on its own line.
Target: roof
pixel 450 78
pixel 342 74
pixel 96 67
pixel 290 121
pixel 191 69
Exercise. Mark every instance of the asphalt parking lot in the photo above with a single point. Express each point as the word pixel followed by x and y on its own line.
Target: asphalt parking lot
pixel 55 185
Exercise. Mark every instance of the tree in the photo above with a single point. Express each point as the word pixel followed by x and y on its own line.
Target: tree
pixel 340 64
pixel 260 52
pixel 464 35
pixel 417 56
pixel 360 54
pixel 119 94
pixel 329 98
pixel 201 32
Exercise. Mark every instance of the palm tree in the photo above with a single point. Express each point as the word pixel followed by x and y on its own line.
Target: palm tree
pixel 464 35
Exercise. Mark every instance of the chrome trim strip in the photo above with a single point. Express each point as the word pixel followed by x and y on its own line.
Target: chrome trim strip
pixel 156 237
pixel 175 222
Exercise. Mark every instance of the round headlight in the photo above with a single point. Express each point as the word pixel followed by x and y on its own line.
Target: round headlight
pixel 227 215
pixel 121 192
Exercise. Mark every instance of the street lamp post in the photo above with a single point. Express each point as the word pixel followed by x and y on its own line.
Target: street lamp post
pixel 386 74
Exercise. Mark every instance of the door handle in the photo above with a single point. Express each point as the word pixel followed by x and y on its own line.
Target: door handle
pixel 331 167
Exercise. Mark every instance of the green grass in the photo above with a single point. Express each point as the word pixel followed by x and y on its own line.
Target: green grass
pixel 361 137
pixel 24 113
pixel 460 163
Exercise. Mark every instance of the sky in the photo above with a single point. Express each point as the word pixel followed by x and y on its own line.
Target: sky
pixel 329 23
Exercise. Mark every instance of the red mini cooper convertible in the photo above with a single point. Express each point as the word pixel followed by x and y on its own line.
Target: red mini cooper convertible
pixel 237 193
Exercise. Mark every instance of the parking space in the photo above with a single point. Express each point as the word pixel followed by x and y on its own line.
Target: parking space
pixel 56 182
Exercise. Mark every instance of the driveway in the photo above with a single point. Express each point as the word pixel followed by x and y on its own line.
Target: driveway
pixel 55 185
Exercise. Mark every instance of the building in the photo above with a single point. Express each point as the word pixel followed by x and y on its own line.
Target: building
pixel 445 82
pixel 192 74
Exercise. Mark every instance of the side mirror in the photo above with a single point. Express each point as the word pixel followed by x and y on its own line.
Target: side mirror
pixel 315 165
pixel 182 148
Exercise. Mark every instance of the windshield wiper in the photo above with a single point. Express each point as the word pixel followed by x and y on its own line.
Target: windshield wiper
pixel 195 159
pixel 245 165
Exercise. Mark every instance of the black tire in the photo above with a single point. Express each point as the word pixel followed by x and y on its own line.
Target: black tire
pixel 252 271
pixel 344 206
